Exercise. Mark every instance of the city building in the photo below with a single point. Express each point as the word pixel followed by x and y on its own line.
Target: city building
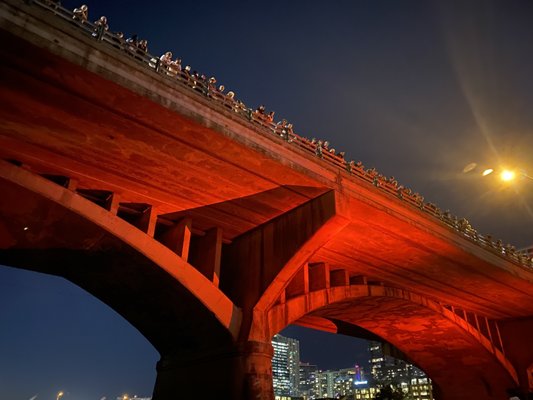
pixel 365 392
pixel 285 367
pixel 293 379
pixel 308 381
pixel 419 388
pixel 388 370
pixel 325 384
pixel 340 383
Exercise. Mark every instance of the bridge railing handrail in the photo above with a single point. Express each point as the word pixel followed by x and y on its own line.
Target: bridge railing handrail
pixel 202 86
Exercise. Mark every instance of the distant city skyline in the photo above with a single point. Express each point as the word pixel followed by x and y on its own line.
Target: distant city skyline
pixel 293 378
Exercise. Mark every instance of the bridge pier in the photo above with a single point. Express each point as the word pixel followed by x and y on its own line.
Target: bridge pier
pixel 240 372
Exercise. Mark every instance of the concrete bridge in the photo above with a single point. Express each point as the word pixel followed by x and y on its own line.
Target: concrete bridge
pixel 210 231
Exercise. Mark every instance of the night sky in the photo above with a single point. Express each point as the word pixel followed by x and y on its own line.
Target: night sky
pixel 416 89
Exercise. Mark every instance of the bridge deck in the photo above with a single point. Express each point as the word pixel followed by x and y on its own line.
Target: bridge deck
pixel 72 106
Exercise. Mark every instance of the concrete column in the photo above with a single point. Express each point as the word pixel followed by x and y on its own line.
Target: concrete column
pixel 257 359
pixel 241 372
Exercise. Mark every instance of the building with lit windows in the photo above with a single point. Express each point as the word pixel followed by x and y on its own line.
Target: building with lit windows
pixel 293 379
pixel 420 388
pixel 325 384
pixel 285 367
pixel 365 393
pixel 308 381
pixel 340 383
pixel 386 369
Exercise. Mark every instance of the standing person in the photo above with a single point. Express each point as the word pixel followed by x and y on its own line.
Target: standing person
pixel 133 41
pixel 142 47
pixel 166 59
pixel 81 14
pixel 100 27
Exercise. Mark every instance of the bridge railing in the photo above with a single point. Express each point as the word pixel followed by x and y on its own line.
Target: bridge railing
pixel 203 87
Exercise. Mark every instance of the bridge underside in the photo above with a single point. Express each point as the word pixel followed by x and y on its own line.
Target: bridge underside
pixel 61 119
pixel 270 223
pixel 41 235
pixel 453 358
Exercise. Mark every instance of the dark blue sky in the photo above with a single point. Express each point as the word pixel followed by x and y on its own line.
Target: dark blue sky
pixel 417 89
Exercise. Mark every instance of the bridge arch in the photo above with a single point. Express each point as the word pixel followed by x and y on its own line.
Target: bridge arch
pixel 48 228
pixel 454 353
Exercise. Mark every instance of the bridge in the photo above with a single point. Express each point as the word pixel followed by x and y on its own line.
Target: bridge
pixel 210 229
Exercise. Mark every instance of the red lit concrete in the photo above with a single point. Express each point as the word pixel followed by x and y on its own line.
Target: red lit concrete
pixel 246 222
pixel 435 338
pixel 51 227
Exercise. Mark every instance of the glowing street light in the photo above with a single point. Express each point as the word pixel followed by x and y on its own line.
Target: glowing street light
pixel 59 395
pixel 507 175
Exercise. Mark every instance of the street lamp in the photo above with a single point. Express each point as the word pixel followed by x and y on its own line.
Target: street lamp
pixel 508 175
pixel 59 395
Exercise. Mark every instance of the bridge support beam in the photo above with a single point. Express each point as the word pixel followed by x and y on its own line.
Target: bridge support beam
pixel 253 261
pixel 241 372
pixel 515 333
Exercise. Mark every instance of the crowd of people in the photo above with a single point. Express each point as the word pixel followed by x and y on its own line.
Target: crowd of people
pixel 172 67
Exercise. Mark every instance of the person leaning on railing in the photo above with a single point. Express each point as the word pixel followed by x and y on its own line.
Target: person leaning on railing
pixel 186 73
pixel 211 86
pixel 81 14
pixel 318 149
pixel 175 67
pixel 132 43
pixel 201 80
pixel 289 133
pixel 142 47
pixel 100 27
pixel 165 60
pixel 195 79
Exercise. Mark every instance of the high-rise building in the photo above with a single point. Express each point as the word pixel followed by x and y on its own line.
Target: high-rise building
pixel 377 361
pixel 388 370
pixel 294 379
pixel 325 384
pixel 308 381
pixel 286 366
pixel 340 383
